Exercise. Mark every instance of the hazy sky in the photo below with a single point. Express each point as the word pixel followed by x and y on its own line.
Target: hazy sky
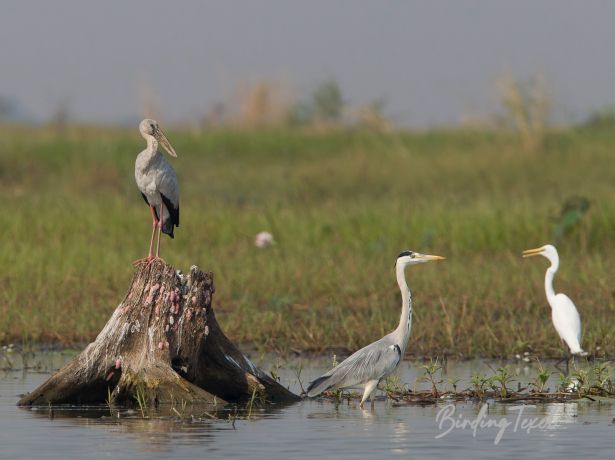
pixel 432 61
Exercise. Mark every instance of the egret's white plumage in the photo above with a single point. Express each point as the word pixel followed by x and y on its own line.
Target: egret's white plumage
pixel 368 366
pixel 563 311
pixel 157 181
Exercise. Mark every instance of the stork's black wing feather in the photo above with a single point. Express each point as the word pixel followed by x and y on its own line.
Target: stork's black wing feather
pixel 145 198
pixel 167 226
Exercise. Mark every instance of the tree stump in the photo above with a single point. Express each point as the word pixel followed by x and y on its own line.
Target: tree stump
pixel 162 344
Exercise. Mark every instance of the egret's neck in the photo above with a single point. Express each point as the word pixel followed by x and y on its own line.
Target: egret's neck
pixel 402 333
pixel 549 276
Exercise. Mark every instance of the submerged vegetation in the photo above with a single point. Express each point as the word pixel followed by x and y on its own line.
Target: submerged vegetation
pixel 341 204
pixel 592 382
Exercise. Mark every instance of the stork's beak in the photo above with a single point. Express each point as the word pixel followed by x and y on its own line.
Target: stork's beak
pixel 427 257
pixel 160 137
pixel 533 252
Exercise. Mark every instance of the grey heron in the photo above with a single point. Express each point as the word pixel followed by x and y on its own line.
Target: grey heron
pixel 368 366
pixel 564 314
pixel 157 182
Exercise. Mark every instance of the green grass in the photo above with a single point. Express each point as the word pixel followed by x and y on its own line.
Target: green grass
pixel 341 206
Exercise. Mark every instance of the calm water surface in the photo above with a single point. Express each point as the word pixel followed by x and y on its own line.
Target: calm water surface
pixel 310 428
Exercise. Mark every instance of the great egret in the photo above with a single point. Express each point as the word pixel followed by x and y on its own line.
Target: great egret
pixel 157 182
pixel 563 312
pixel 368 366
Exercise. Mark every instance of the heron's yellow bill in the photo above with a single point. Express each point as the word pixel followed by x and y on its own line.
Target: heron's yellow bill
pixel 533 252
pixel 430 257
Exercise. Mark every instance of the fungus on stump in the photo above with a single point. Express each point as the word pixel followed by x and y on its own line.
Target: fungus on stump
pixel 163 343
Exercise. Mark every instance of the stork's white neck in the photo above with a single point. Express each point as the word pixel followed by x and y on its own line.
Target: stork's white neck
pixel 152 144
pixel 402 333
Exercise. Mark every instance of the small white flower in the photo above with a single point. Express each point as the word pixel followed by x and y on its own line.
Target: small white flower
pixel 263 239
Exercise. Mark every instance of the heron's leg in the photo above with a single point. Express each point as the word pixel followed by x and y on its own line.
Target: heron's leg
pixel 369 389
pixel 564 358
pixel 566 361
pixel 160 222
pixel 560 361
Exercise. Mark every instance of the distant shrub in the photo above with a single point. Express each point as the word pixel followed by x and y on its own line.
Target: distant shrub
pixel 327 101
pixel 602 118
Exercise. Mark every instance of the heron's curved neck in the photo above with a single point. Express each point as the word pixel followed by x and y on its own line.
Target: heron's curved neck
pixel 549 276
pixel 402 333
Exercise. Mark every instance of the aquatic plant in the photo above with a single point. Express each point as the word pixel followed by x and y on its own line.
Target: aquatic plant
pixel 503 377
pixel 251 403
pixel 141 400
pixel 542 377
pixel 453 382
pixel 479 383
pixel 392 385
pixel 430 371
pixel 297 370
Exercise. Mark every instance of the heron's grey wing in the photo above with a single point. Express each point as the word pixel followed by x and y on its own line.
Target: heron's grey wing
pixel 372 362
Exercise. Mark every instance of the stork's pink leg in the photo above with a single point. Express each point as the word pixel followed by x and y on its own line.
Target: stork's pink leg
pixel 154 227
pixel 149 257
pixel 160 222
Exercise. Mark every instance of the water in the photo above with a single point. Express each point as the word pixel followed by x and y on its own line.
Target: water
pixel 315 428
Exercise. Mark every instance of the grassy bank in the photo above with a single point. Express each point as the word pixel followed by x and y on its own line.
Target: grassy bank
pixel 341 206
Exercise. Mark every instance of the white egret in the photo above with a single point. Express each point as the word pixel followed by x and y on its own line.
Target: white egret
pixel 157 182
pixel 368 366
pixel 563 312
